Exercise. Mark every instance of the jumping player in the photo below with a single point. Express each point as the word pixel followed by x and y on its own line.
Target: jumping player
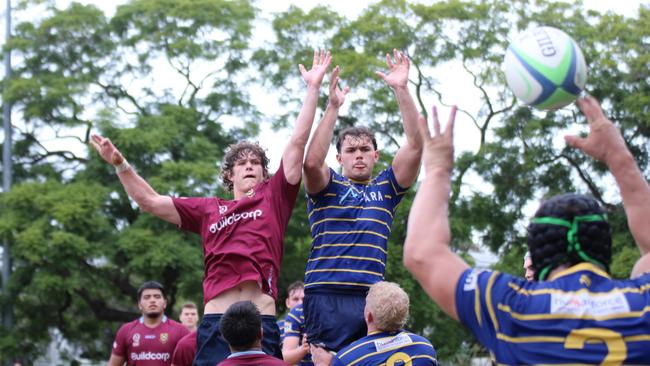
pixel 575 313
pixel 242 238
pixel 151 339
pixel 351 214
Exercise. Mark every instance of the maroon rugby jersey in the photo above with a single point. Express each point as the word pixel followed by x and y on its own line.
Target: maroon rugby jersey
pixel 253 360
pixel 185 350
pixel 144 346
pixel 243 240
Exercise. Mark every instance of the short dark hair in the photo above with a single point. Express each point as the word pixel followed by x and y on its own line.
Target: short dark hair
pixel 151 285
pixel 241 325
pixel 298 285
pixel 552 243
pixel 238 151
pixel 355 132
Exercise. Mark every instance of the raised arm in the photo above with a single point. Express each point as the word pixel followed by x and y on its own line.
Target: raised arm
pixel 605 143
pixel 136 187
pixel 407 160
pixel 294 152
pixel 426 250
pixel 316 171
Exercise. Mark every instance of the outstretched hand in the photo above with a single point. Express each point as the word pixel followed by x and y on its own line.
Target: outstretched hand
pixel 603 138
pixel 398 70
pixel 314 77
pixel 336 95
pixel 438 153
pixel 106 150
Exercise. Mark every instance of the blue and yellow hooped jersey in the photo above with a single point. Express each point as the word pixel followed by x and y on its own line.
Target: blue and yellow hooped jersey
pixel 350 224
pixel 581 316
pixel 294 326
pixel 388 349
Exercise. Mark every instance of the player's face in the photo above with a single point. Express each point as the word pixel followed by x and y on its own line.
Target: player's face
pixel 295 298
pixel 358 157
pixel 528 267
pixel 247 172
pixel 152 303
pixel 189 317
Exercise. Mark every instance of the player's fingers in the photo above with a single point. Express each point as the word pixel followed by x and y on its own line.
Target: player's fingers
pixel 436 122
pixel 575 141
pixel 315 61
pixel 449 129
pixel 425 134
pixel 389 62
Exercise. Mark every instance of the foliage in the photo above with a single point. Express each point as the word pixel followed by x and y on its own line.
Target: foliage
pixel 170 82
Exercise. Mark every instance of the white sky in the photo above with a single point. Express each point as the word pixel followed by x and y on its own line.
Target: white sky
pixel 454 83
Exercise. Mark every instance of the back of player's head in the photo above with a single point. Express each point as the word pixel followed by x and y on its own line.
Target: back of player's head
pixel 239 151
pixel 358 132
pixel 241 325
pixel 389 305
pixel 569 229
pixel 151 285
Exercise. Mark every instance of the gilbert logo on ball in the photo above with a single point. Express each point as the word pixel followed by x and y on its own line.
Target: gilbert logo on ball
pixel 545 68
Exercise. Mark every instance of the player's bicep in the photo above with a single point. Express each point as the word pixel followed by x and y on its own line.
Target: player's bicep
pixel 163 207
pixel 116 360
pixel 439 281
pixel 406 165
pixel 316 178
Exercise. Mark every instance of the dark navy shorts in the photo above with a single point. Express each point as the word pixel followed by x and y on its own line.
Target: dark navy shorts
pixel 212 348
pixel 334 319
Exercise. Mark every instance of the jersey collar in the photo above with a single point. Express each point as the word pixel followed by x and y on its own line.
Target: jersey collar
pixel 589 267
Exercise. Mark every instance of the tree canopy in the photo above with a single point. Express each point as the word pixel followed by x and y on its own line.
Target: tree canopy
pixel 173 83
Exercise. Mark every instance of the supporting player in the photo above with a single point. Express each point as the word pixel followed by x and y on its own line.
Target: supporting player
pixel 387 343
pixel 575 313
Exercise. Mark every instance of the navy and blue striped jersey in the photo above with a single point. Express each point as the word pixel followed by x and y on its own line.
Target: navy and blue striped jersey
pixel 294 326
pixel 350 225
pixel 388 348
pixel 581 316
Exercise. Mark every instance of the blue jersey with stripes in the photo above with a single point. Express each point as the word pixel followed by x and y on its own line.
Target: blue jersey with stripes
pixel 581 316
pixel 350 225
pixel 294 326
pixel 389 349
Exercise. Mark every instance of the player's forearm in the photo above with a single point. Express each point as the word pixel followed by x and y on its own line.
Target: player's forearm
pixel 293 356
pixel 305 118
pixel 428 224
pixel 320 141
pixel 635 192
pixel 410 115
pixel 138 189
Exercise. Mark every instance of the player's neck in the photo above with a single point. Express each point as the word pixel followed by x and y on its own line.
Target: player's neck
pixel 150 322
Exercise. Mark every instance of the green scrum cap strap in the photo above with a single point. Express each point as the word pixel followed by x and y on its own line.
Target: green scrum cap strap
pixel 572 237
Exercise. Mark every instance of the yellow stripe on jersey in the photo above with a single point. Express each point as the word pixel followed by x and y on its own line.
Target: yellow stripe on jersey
pixel 350 220
pixel 351 207
pixel 330 194
pixel 477 305
pixel 350 232
pixel 550 339
pixel 344 270
pixel 350 245
pixel 337 283
pixel 347 257
pixel 488 299
pixel 395 189
pixel 552 291
pixel 631 314
pixel 433 359
pixel 384 351
pixel 293 316
pixel 580 267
